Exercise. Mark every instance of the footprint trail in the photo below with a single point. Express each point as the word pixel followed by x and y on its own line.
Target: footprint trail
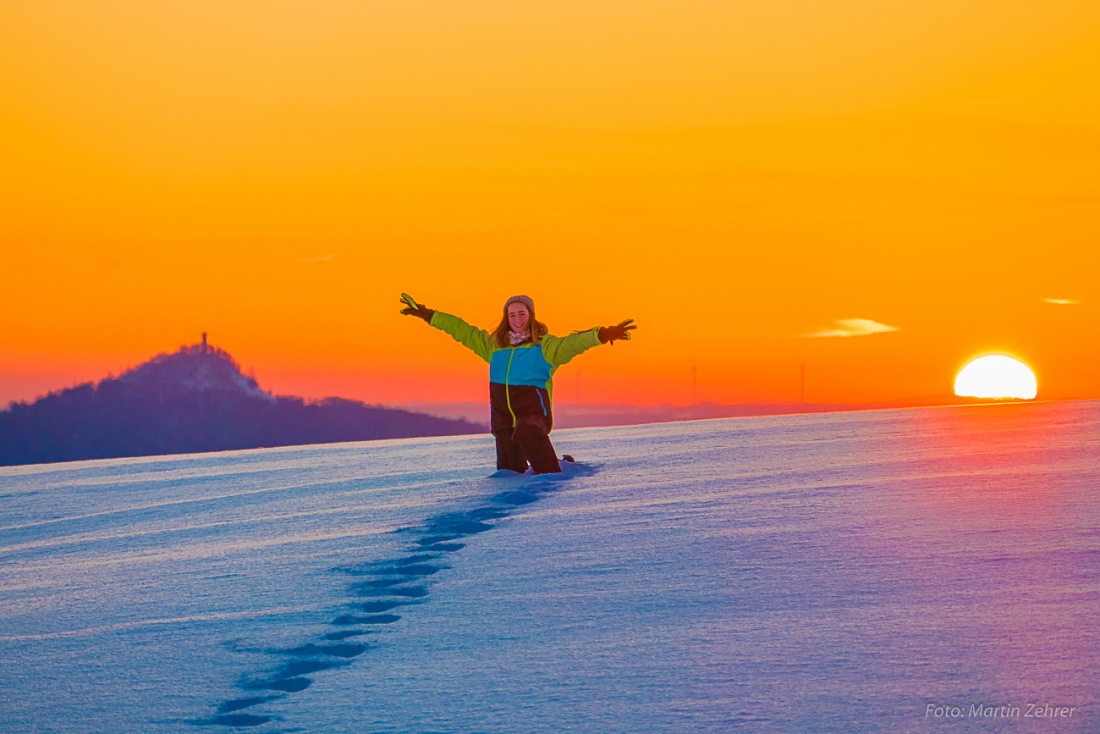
pixel 382 592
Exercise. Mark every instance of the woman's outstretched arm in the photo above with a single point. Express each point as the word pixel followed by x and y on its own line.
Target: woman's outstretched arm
pixel 475 339
pixel 558 351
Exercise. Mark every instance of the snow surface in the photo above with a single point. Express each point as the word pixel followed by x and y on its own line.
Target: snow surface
pixel 803 573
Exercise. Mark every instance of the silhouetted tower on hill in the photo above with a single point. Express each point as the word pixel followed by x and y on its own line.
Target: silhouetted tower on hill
pixel 204 342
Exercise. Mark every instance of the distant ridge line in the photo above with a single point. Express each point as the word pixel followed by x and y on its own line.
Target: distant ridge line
pixel 574 415
pixel 193 400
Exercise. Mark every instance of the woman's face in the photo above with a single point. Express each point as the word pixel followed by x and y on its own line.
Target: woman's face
pixel 518 317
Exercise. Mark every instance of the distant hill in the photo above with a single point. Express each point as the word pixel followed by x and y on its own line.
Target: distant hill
pixel 192 401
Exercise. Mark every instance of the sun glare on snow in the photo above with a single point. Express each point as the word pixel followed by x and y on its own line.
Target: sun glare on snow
pixel 996 377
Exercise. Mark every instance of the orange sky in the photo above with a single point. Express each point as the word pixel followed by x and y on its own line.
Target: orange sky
pixel 734 175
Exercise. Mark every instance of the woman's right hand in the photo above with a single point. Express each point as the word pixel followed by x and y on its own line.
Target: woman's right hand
pixel 419 310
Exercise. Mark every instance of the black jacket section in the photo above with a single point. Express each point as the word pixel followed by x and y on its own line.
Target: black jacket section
pixel 525 400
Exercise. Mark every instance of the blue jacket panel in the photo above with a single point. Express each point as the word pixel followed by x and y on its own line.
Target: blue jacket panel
pixel 524 365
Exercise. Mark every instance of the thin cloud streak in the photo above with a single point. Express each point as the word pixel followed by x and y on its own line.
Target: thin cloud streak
pixel 853 327
pixel 320 259
pixel 1062 301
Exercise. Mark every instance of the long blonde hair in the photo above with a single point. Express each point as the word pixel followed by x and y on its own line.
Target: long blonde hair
pixel 500 334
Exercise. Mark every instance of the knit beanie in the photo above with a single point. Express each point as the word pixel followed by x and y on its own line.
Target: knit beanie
pixel 525 300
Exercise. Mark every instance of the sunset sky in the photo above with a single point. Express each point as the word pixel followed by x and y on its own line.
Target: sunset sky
pixel 877 190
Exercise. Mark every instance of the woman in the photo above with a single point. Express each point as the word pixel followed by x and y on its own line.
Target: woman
pixel 522 357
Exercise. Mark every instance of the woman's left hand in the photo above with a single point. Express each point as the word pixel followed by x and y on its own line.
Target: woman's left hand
pixel 618 331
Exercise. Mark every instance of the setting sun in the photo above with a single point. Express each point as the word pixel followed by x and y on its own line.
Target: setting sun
pixel 996 377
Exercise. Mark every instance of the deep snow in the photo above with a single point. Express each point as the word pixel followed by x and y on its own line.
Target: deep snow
pixel 849 572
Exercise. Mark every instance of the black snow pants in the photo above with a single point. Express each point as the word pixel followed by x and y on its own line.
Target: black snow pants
pixel 528 440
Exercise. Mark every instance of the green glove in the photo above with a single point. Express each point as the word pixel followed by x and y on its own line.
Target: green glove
pixel 618 331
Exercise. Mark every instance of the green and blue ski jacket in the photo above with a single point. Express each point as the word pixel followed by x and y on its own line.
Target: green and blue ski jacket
pixel 521 378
